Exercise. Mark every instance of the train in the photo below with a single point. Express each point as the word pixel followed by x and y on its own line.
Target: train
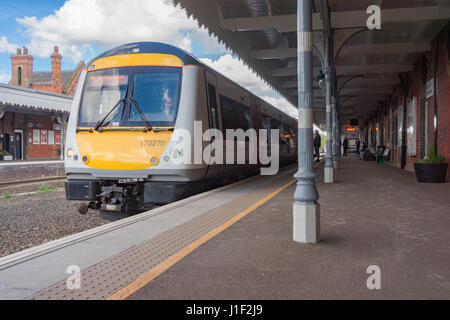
pixel 130 101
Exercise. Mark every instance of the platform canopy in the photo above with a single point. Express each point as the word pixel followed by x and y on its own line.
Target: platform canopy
pixel 263 34
pixel 18 99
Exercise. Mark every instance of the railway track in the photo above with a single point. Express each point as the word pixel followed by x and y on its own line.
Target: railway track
pixel 24 182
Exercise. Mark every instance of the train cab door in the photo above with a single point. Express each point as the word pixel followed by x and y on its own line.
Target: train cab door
pixel 212 95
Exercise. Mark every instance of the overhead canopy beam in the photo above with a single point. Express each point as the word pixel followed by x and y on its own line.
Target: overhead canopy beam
pixel 350 70
pixel 354 92
pixel 381 48
pixel 384 48
pixel 371 82
pixel 339 20
pixel 366 91
pixel 360 83
pixel 293 84
pixel 364 100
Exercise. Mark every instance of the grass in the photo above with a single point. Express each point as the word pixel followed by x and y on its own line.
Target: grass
pixel 6 195
pixel 44 188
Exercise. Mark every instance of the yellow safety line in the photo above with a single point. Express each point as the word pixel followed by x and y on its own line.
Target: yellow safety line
pixel 169 262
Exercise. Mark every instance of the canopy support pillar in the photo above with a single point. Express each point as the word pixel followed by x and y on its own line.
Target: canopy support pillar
pixel 306 210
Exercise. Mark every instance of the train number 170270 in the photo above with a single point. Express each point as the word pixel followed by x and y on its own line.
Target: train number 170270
pixel 153 143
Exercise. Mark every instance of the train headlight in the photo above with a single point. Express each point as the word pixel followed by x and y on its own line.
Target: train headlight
pixel 85 159
pixel 70 153
pixel 154 160
pixel 177 153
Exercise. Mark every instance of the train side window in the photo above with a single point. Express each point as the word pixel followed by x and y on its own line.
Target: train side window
pixel 213 106
pixel 235 115
pixel 267 125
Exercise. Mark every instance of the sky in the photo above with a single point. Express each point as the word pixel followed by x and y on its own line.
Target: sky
pixel 85 28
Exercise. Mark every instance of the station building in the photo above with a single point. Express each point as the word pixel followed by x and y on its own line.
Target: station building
pixel 32 122
pixel 34 107
pixel 416 116
pixel 56 81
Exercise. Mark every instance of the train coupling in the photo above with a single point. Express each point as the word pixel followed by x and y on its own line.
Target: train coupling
pixel 113 198
pixel 111 207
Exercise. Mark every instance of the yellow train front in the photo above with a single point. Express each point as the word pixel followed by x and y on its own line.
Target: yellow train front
pixel 119 150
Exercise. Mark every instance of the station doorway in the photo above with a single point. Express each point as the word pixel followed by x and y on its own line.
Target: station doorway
pixel 18 144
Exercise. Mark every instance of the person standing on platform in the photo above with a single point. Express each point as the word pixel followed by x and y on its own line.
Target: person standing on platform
pixel 345 145
pixel 358 146
pixel 317 145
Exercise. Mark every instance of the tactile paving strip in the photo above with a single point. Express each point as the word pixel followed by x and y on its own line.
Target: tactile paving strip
pixel 109 276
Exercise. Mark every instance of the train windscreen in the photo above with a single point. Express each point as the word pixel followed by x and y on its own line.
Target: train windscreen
pixel 125 92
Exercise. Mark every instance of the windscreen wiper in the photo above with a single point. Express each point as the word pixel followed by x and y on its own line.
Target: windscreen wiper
pixel 163 129
pixel 141 114
pixel 101 122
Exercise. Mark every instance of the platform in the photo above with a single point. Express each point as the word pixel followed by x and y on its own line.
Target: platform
pixel 17 171
pixel 139 242
pixel 236 243
pixel 374 215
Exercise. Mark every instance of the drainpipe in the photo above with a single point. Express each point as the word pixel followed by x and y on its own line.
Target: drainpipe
pixel 404 89
pixel 2 116
pixel 339 141
pixel 435 120
pixel 334 119
pixel 335 101
pixel 14 136
pixel 306 209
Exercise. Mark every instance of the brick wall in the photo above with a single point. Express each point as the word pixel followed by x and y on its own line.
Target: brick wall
pixel 56 70
pixel 73 85
pixel 424 70
pixel 25 62
pixel 49 87
pixel 40 122
pixel 443 95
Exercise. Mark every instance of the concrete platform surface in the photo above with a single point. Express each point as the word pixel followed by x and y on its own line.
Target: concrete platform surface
pixel 374 215
pixel 16 171
pixel 111 256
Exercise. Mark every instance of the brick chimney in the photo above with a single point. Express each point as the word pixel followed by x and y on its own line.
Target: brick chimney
pixel 56 69
pixel 22 69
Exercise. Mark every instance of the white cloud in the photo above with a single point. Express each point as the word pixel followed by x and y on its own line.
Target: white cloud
pixel 6 47
pixel 237 71
pixel 282 104
pixel 4 77
pixel 79 24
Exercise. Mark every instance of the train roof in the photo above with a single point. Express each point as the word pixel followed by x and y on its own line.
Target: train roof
pixel 150 47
